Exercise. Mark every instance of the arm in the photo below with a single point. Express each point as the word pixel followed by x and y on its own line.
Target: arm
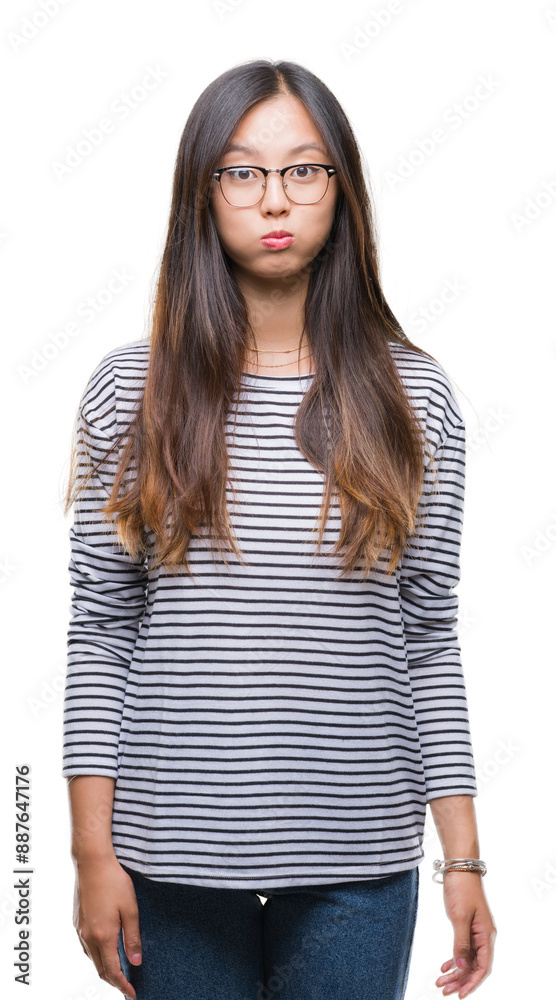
pixel 104 896
pixel 91 799
pixel 464 898
pixel 429 572
pixel 456 825
pixel 108 602
pixel 430 569
pixel 108 599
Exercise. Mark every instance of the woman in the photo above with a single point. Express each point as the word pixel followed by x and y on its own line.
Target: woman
pixel 253 712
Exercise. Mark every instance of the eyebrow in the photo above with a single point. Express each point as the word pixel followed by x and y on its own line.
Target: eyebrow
pixel 235 147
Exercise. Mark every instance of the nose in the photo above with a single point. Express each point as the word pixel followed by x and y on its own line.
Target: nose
pixel 274 194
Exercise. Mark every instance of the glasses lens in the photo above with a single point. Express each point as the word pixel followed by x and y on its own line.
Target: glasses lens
pixel 242 186
pixel 306 184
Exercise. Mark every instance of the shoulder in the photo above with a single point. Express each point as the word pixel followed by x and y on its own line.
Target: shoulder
pixel 430 390
pixel 115 386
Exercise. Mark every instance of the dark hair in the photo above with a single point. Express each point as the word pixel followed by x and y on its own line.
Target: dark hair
pixel 355 423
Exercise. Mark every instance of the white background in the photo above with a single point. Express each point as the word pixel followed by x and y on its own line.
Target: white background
pixel 479 211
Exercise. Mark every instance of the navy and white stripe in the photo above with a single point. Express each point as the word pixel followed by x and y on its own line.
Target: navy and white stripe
pixel 267 724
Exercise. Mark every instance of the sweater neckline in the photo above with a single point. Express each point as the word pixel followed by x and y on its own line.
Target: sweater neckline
pixel 282 378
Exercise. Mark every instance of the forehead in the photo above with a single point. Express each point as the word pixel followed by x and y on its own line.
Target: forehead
pixel 278 126
pixel 303 147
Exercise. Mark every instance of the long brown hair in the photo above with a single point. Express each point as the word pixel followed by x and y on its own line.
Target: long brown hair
pixel 355 423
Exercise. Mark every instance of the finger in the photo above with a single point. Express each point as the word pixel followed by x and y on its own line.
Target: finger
pixel 480 967
pixel 132 936
pixel 466 982
pixel 452 971
pixel 112 970
pixel 466 990
pixel 463 951
pixel 462 975
pixel 109 971
pixel 473 981
pixel 96 957
pixel 459 977
pixel 452 977
pixel 447 965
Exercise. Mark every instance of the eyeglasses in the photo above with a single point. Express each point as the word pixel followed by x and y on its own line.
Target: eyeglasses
pixel 244 186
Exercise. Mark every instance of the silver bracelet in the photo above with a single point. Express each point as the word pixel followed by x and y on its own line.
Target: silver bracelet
pixel 457 865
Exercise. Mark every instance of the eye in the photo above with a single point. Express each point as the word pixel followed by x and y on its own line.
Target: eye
pixel 240 174
pixel 304 174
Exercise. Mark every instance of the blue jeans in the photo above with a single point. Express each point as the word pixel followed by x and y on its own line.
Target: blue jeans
pixel 339 941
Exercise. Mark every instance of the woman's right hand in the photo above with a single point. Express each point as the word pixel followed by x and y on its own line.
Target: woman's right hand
pixel 104 901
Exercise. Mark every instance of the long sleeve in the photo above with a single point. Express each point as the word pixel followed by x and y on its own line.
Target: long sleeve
pixel 108 598
pixel 429 571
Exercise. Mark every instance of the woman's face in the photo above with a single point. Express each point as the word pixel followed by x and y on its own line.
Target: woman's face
pixel 270 132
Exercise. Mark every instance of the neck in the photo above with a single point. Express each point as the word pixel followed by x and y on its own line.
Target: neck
pixel 276 314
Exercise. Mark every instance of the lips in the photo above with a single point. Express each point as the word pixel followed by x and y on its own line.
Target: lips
pixel 276 234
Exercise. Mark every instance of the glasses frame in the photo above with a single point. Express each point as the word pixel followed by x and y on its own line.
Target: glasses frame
pixel 217 174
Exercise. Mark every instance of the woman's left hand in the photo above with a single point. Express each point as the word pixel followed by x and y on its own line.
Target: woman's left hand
pixel 474 934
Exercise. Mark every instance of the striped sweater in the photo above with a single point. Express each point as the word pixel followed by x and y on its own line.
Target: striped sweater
pixel 267 724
